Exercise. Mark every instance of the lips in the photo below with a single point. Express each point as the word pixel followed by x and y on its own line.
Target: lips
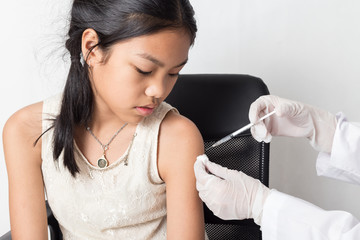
pixel 146 110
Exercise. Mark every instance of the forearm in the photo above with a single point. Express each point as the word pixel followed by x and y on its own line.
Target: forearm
pixel 27 206
pixel 27 224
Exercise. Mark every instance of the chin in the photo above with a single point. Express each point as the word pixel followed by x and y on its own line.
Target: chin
pixel 135 119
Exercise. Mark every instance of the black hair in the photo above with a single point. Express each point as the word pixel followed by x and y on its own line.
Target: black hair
pixel 113 21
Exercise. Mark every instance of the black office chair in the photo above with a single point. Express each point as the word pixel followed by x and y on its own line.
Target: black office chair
pixel 55 233
pixel 219 104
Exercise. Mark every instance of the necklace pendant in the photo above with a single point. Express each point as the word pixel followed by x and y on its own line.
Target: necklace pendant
pixel 102 162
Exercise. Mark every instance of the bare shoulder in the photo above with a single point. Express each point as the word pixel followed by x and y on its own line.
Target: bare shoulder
pixel 26 121
pixel 180 142
pixel 180 132
pixel 23 128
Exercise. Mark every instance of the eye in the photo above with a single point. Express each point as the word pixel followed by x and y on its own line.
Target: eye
pixel 174 74
pixel 142 72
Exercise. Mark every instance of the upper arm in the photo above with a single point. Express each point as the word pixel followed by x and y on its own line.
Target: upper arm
pixel 23 163
pixel 180 142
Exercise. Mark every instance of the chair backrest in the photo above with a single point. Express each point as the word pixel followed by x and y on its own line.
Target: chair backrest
pixel 219 104
pixel 54 229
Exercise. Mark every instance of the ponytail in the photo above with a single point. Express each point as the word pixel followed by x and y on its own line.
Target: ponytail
pixel 76 107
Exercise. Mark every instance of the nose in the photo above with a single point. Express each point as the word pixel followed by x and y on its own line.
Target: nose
pixel 156 88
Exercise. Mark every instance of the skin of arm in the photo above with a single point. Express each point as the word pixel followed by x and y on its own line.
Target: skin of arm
pixel 180 142
pixel 23 162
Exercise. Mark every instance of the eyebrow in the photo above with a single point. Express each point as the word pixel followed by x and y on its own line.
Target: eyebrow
pixel 157 62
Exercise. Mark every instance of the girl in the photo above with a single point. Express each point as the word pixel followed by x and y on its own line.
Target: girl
pixel 115 160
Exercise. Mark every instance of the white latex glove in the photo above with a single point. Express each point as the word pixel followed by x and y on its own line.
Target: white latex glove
pixel 292 119
pixel 229 194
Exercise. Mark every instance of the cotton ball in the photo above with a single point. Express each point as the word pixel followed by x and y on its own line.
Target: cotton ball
pixel 202 158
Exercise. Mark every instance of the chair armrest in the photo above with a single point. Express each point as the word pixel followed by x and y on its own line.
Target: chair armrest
pixel 6 236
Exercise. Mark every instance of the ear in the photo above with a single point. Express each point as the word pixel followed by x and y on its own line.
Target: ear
pixel 88 41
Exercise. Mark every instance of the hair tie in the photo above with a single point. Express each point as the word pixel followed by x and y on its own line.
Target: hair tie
pixel 74 59
pixel 77 58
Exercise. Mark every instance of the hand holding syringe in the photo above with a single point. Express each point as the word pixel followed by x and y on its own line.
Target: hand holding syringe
pixel 237 132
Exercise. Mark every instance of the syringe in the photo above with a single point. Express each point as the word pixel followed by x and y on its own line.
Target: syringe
pixel 237 132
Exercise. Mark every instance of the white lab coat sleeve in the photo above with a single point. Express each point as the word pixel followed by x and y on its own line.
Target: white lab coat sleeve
pixel 286 217
pixel 343 163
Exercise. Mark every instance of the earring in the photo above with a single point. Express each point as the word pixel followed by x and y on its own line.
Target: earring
pixel 82 61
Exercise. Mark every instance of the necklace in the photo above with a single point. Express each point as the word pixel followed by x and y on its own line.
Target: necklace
pixel 102 162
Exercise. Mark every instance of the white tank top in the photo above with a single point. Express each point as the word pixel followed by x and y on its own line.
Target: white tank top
pixel 118 202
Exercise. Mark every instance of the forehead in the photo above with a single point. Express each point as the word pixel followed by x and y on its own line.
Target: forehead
pixel 166 46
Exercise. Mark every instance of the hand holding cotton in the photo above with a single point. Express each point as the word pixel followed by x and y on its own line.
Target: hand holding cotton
pixel 229 194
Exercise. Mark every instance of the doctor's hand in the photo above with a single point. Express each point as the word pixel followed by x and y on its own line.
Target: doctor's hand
pixel 292 119
pixel 229 194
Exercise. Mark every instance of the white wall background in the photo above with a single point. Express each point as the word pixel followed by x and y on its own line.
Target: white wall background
pixel 304 50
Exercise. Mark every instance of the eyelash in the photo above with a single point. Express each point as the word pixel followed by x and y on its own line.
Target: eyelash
pixel 142 72
pixel 148 73
pixel 174 74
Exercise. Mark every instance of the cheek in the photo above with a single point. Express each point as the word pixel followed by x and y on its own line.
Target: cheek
pixel 170 86
pixel 112 80
pixel 105 88
pixel 123 86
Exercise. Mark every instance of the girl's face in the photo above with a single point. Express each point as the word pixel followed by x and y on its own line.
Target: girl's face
pixel 138 74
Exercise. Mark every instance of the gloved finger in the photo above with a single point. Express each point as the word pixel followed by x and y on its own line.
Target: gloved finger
pixel 209 187
pixel 201 175
pixel 199 166
pixel 216 169
pixel 203 178
pixel 288 108
pixel 268 103
pixel 260 133
pixel 260 105
pixel 210 190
